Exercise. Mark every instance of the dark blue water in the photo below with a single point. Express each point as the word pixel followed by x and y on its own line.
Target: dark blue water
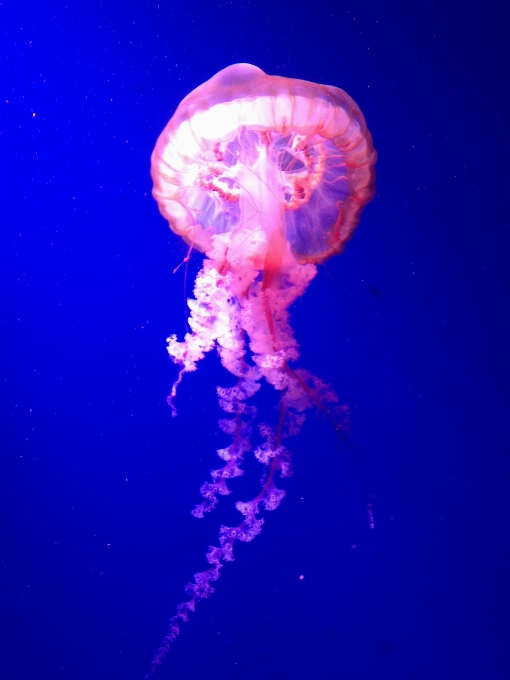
pixel 410 325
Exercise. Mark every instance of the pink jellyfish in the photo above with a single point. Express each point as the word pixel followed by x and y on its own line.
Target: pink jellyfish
pixel 267 176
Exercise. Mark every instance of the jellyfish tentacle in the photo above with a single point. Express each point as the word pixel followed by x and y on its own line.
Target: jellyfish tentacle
pixel 214 320
pixel 233 401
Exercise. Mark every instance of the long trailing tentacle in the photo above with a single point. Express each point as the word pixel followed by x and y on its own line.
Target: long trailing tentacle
pixel 276 460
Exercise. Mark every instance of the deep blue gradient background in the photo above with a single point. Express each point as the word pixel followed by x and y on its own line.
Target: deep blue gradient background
pixel 410 325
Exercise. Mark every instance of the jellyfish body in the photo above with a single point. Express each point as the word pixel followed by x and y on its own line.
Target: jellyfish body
pixel 267 176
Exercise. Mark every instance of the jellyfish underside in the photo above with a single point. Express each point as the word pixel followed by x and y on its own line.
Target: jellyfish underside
pixel 267 176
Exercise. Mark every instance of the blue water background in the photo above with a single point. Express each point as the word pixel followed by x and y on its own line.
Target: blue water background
pixel 410 325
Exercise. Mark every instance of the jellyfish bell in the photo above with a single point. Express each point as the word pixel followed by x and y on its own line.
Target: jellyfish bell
pixel 248 152
pixel 267 176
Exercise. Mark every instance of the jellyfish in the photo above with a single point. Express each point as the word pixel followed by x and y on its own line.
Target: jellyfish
pixel 267 176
